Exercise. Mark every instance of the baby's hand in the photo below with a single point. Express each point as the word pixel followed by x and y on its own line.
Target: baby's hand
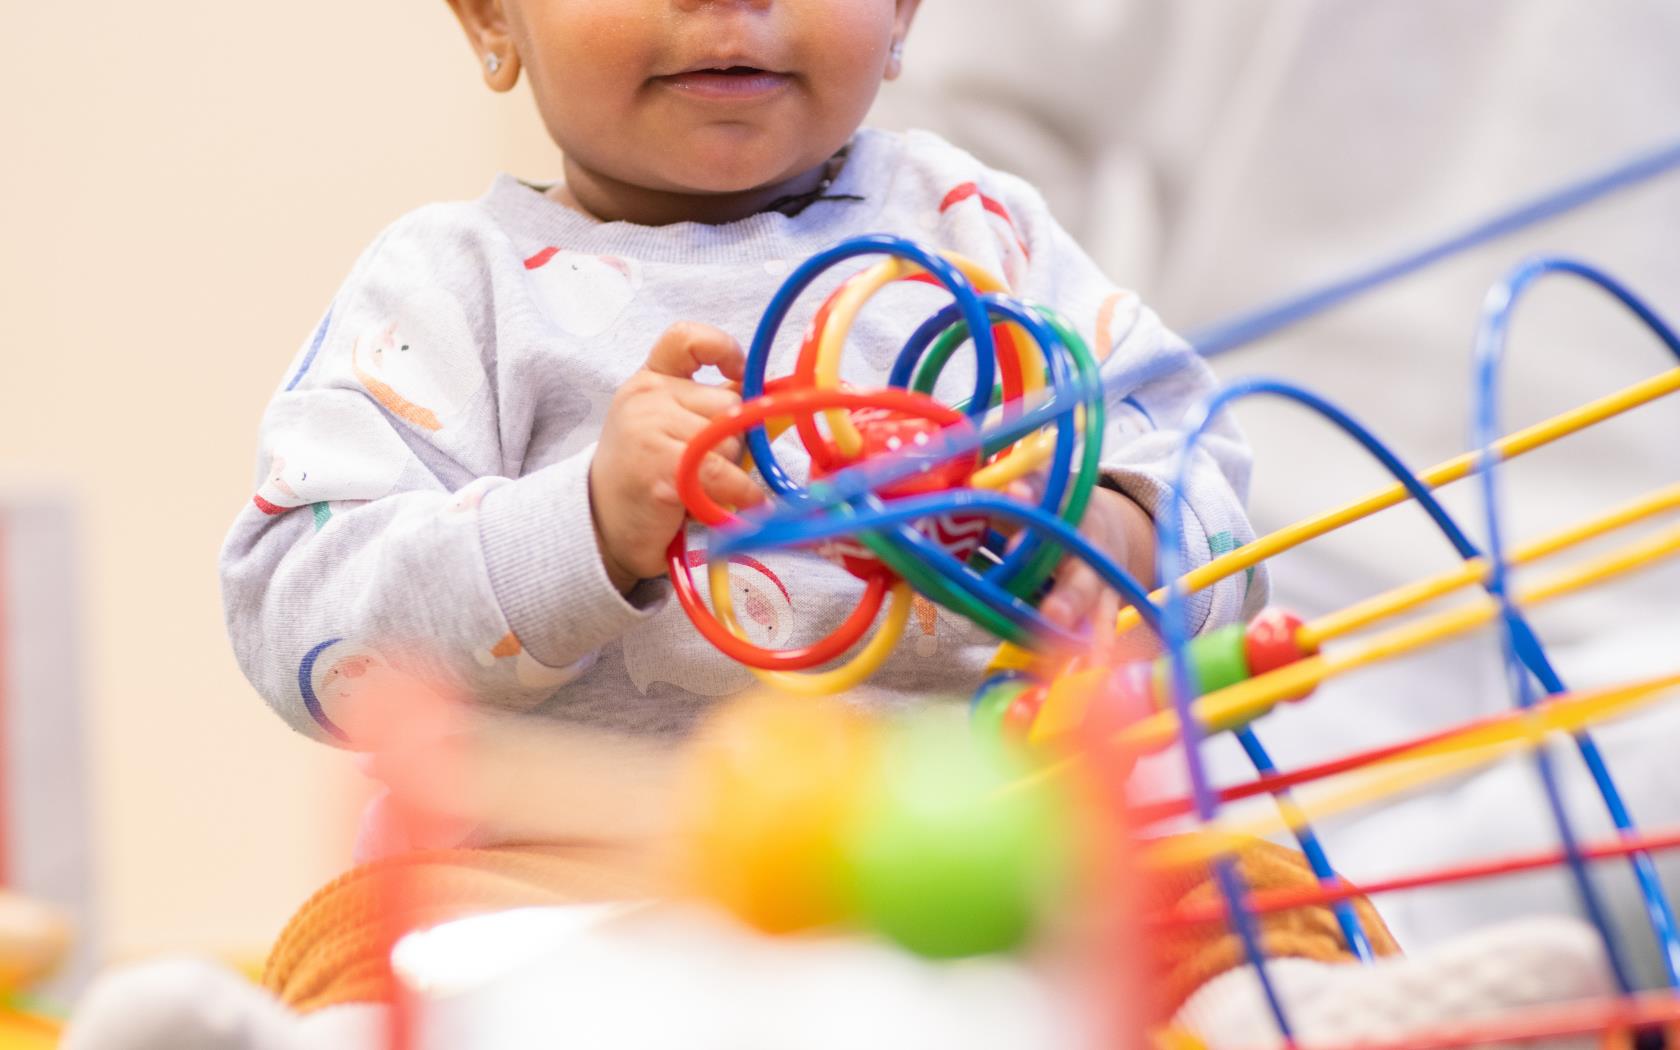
pixel 1125 532
pixel 632 481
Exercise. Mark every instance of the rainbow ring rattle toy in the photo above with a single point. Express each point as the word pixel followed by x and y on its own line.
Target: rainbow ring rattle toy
pixel 937 535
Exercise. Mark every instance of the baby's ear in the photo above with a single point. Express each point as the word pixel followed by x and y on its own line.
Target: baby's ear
pixel 486 26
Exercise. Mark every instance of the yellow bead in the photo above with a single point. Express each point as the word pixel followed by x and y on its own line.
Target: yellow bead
pixel 768 789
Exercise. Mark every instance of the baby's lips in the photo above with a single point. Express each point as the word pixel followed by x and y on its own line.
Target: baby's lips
pixel 728 86
pixel 739 55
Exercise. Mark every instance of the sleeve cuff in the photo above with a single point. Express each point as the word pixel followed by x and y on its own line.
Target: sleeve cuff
pixel 1152 494
pixel 545 566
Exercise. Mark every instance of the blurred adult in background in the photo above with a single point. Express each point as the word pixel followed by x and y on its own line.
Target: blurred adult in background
pixel 1215 154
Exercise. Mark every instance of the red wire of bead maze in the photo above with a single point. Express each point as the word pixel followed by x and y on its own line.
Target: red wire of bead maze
pixel 1148 813
pixel 1264 902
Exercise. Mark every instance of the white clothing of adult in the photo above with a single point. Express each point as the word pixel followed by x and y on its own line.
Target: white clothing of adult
pixel 1218 153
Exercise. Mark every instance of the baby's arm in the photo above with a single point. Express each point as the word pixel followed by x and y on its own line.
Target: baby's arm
pixel 397 542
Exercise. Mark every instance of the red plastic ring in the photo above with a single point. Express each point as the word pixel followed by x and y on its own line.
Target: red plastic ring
pixel 844 637
pixel 792 404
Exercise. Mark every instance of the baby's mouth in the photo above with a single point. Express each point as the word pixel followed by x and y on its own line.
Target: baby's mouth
pixel 728 83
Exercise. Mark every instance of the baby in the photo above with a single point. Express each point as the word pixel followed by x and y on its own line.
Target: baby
pixel 467 474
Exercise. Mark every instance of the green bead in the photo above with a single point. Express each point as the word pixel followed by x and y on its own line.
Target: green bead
pixel 940 860
pixel 1217 659
pixel 992 708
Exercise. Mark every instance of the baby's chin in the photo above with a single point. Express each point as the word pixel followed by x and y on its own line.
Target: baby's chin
pixel 714 186
pixel 725 188
pixel 723 172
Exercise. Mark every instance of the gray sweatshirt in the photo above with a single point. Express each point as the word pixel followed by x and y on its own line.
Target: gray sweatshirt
pixel 421 497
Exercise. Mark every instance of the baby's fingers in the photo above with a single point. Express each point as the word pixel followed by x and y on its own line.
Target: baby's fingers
pixel 1103 620
pixel 683 426
pixel 729 484
pixel 706 402
pixel 1074 596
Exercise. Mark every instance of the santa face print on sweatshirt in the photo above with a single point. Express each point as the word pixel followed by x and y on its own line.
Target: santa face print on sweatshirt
pixel 358 696
pixel 1008 255
pixel 341 453
pixel 668 649
pixel 423 367
pixel 423 372
pixel 583 295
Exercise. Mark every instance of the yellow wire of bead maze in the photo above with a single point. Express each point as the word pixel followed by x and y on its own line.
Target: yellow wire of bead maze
pixel 1240 704
pixel 1452 754
pixel 1294 681
pixel 1061 713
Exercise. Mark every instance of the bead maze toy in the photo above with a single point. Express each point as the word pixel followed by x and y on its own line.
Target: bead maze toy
pixel 805 814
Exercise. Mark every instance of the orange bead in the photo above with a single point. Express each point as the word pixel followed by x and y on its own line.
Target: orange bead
pixel 769 787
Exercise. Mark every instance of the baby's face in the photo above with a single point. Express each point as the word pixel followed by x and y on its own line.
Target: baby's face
pixel 704 96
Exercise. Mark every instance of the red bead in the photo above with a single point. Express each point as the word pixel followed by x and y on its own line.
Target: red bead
pixel 1270 641
pixel 1018 720
pixel 884 433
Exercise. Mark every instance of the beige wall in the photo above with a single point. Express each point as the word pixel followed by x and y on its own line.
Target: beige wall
pixel 182 188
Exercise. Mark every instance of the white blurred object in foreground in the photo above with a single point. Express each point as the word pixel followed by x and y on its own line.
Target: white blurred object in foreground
pixel 625 978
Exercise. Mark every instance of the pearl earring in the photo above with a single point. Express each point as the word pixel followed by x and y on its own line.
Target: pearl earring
pixel 898 51
pixel 493 63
